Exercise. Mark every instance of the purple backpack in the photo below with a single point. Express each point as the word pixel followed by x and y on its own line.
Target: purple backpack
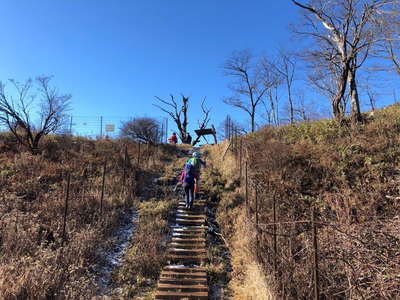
pixel 189 173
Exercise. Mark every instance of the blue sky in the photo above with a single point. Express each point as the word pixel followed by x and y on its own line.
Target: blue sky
pixel 115 56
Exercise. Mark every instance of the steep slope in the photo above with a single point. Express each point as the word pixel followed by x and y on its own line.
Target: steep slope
pixel 348 176
pixel 53 248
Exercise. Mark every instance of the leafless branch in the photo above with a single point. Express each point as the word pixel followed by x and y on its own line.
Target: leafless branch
pixel 16 113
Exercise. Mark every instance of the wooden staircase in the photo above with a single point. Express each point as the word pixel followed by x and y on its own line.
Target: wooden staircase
pixel 184 277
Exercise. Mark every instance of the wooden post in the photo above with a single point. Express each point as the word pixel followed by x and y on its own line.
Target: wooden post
pixel 102 186
pixel 66 209
pixel 315 244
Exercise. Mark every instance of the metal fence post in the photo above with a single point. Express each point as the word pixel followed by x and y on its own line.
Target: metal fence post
pixel 138 156
pixel 66 209
pixel 257 238
pixel 247 190
pixel 240 159
pixel 154 153
pixel 16 222
pixel 101 127
pixel 315 245
pixel 148 155
pixel 125 164
pixel 102 186
pixel 275 236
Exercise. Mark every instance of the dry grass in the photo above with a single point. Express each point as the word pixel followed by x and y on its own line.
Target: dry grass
pixel 33 262
pixel 249 280
pixel 137 277
pixel 350 175
pixel 146 256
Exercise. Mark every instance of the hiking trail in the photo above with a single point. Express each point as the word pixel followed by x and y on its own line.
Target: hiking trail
pixel 184 277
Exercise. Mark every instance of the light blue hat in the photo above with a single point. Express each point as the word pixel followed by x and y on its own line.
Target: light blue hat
pixel 196 154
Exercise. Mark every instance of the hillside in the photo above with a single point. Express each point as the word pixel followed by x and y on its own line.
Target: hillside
pixel 263 242
pixel 349 176
pixel 55 238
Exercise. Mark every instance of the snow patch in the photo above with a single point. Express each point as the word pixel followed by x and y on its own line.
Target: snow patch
pixel 113 256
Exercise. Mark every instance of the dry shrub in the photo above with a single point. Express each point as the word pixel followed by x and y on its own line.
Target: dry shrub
pixel 33 262
pixel 351 176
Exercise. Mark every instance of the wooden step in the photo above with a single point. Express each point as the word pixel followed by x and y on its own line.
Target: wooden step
pixel 194 231
pixel 191 216
pixel 189 222
pixel 186 211
pixel 182 206
pixel 183 269
pixel 195 209
pixel 189 229
pixel 193 235
pixel 200 220
pixel 188 240
pixel 187 246
pixel 181 251
pixel 181 295
pixel 186 275
pixel 183 287
pixel 183 281
pixel 188 259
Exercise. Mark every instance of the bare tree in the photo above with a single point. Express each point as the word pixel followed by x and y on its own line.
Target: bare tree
pixel 142 129
pixel 343 34
pixel 388 27
pixel 16 111
pixel 204 123
pixel 286 68
pixel 372 96
pixel 179 113
pixel 271 105
pixel 327 78
pixel 252 81
pixel 303 111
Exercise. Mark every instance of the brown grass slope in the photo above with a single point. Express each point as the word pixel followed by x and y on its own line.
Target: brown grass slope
pixel 351 177
pixel 33 262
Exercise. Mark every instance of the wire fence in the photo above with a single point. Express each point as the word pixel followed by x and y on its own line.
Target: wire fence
pixel 330 257
pixel 114 175
pixel 106 126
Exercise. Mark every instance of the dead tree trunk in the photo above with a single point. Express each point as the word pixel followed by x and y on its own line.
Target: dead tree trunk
pixel 355 102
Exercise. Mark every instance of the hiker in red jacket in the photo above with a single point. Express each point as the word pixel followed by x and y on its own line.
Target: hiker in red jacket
pixel 173 139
